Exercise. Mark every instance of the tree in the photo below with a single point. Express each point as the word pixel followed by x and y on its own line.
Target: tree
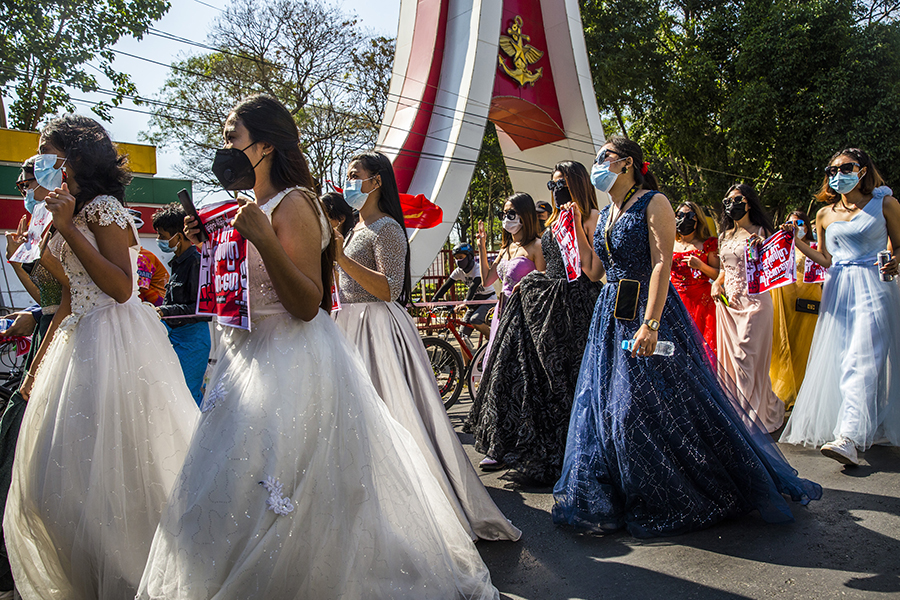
pixel 308 55
pixel 47 45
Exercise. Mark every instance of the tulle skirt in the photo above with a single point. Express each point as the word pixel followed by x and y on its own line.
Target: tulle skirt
pixel 396 360
pixel 852 383
pixel 299 485
pixel 101 443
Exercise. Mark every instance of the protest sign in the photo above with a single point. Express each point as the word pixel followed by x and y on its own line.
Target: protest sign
pixel 30 250
pixel 564 232
pixel 224 292
pixel 813 272
pixel 772 265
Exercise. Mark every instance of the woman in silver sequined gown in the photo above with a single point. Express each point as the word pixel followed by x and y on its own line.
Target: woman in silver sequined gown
pixel 298 483
pixel 374 284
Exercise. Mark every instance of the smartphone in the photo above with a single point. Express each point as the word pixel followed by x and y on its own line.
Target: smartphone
pixel 627 296
pixel 191 211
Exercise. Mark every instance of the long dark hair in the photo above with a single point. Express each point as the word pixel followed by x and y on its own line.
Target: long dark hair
pixel 376 163
pixel 523 204
pixel 624 148
pixel 758 214
pixel 583 193
pixel 97 167
pixel 871 180
pixel 337 208
pixel 267 120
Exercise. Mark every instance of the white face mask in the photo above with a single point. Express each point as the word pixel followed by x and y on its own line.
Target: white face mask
pixel 801 231
pixel 512 225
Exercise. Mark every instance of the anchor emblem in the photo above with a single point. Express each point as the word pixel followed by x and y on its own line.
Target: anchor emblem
pixel 523 54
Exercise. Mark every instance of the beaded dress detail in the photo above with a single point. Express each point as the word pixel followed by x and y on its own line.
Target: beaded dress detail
pixel 103 436
pixel 298 483
pixel 655 444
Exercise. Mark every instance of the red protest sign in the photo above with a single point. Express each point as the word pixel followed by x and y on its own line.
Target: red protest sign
pixel 564 232
pixel 772 265
pixel 813 272
pixel 223 292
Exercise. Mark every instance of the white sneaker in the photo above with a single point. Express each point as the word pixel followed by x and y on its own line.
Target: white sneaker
pixel 842 450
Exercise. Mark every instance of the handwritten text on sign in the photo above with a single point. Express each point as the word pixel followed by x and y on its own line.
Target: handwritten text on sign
pixel 772 265
pixel 224 291
pixel 30 250
pixel 564 232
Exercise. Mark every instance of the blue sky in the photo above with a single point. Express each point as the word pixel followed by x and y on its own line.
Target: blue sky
pixel 191 19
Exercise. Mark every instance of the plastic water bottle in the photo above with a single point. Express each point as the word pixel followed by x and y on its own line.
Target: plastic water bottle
pixel 663 347
pixel 5 324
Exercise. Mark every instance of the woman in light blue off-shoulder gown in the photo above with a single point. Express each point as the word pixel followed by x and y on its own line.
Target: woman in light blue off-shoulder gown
pixel 850 397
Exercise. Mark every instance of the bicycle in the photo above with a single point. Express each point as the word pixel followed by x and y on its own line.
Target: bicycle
pixel 452 367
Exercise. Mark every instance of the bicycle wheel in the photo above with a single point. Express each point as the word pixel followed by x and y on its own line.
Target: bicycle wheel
pixel 447 364
pixel 476 371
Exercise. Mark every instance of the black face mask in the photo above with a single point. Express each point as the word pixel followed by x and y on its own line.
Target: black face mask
pixel 542 223
pixel 465 264
pixel 736 210
pixel 685 223
pixel 562 196
pixel 234 170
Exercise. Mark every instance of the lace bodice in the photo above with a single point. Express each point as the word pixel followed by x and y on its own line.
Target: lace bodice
pixel 263 298
pixel 380 246
pixel 86 295
pixel 731 254
pixel 629 243
pixel 683 276
pixel 556 268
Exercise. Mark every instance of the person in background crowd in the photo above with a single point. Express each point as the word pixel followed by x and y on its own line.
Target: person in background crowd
pixel 744 322
pixel 655 443
pixel 544 210
pixel 694 264
pixel 44 281
pixel 850 397
pixel 189 336
pixel 796 312
pixel 520 254
pixel 469 271
pixel 374 282
pixel 342 217
pixel 525 415
pixel 152 275
pixel 109 417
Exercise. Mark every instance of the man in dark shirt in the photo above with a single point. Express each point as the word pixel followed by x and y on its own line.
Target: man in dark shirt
pixel 189 336
pixel 467 270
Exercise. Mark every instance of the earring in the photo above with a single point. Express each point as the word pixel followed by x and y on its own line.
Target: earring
pixel 625 169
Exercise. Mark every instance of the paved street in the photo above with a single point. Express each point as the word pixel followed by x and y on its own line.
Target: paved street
pixel 846 545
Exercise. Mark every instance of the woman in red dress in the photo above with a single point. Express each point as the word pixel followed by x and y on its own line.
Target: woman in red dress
pixel 695 262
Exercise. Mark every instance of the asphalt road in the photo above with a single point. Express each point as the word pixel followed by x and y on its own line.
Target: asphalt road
pixel 846 545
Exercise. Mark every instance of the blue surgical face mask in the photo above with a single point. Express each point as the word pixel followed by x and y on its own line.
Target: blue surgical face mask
pixel 45 172
pixel 164 246
pixel 843 183
pixel 30 201
pixel 353 194
pixel 602 178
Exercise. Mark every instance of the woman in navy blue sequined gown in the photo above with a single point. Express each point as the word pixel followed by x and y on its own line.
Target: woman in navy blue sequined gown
pixel 655 444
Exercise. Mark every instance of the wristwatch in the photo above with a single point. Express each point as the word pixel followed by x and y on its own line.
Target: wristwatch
pixel 652 324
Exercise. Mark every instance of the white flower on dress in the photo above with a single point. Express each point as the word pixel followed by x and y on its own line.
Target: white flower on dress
pixel 213 396
pixel 277 502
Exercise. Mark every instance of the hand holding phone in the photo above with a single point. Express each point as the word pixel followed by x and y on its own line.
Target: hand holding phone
pixel 191 211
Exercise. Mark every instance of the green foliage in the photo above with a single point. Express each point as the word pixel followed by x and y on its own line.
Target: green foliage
pixel 47 45
pixel 762 91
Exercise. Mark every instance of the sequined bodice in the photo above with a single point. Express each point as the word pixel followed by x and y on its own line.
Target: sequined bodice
pixel 50 289
pixel 863 236
pixel 512 270
pixel 732 248
pixel 263 298
pixel 684 276
pixel 86 295
pixel 628 242
pixel 380 246
pixel 556 268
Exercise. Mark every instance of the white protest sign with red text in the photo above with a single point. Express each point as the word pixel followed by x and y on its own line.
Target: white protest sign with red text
pixel 772 265
pixel 224 292
pixel 564 232
pixel 30 250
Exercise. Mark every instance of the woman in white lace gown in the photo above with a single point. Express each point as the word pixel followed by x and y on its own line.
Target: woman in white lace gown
pixel 109 416
pixel 374 285
pixel 298 483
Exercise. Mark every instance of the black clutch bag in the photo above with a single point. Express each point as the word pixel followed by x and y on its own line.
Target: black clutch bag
pixel 808 306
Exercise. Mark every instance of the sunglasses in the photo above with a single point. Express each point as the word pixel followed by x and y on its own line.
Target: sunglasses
pixel 798 222
pixel 845 168
pixel 509 215
pixel 604 156
pixel 556 185
pixel 733 200
pixel 685 215
pixel 22 185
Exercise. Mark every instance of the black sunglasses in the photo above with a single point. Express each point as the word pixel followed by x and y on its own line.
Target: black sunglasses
pixel 685 215
pixel 604 154
pixel 845 168
pixel 558 184
pixel 734 200
pixel 22 185
pixel 509 214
